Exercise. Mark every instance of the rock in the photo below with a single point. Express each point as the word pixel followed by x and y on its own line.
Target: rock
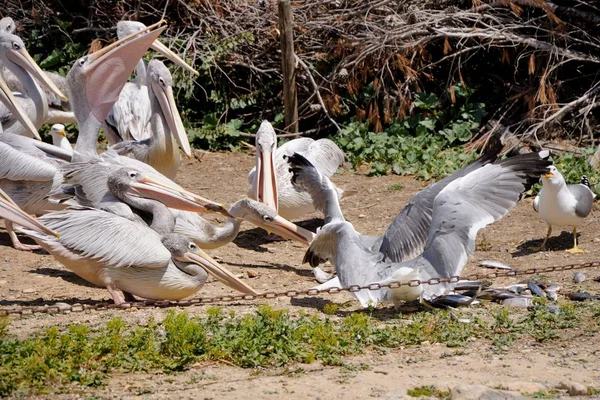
pixel 524 387
pixel 554 309
pixel 481 392
pixel 578 277
pixel 362 216
pixel 518 302
pixel 62 306
pixel 573 388
pixel 28 290
pixel 251 273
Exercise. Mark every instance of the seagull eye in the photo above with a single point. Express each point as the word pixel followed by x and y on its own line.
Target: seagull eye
pixel 16 46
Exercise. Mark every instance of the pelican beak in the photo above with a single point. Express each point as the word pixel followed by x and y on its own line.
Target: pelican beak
pixel 216 270
pixel 169 108
pixel 164 50
pixel 11 211
pixel 174 196
pixel 107 70
pixel 7 98
pixel 266 185
pixel 21 57
pixel 287 229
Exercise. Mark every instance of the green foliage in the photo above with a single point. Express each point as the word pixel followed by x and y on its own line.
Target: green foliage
pixel 423 144
pixel 428 391
pixel 79 355
pixel 396 187
pixel 573 167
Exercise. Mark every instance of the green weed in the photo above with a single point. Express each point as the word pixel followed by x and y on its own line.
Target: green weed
pixel 428 391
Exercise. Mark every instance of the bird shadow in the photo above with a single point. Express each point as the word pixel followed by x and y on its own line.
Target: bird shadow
pixel 67 276
pixel 274 266
pixel 564 241
pixel 39 302
pixel 5 241
pixel 254 239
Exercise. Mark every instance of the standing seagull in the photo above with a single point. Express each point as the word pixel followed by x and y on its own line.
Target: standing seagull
pixel 562 204
pixel 464 206
pixel 270 179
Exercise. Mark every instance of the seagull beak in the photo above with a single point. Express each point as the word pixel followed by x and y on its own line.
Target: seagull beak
pixel 174 196
pixel 216 270
pixel 21 57
pixel 548 175
pixel 287 229
pixel 169 108
pixel 164 50
pixel 11 211
pixel 107 70
pixel 11 103
pixel 62 133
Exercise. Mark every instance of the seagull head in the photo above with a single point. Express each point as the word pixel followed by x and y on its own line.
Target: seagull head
pixel 552 176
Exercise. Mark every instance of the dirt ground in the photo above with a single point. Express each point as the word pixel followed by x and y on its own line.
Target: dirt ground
pixel 34 279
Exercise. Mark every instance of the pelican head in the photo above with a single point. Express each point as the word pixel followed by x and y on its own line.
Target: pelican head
pixel 125 28
pixel 10 210
pixel 131 182
pixel 266 185
pixel 266 217
pixel 192 260
pixel 161 83
pixel 7 25
pixel 13 52
pixel 11 103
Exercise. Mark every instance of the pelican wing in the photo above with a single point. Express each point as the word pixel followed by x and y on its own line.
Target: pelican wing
pixel 131 112
pixel 468 204
pixel 324 154
pixel 104 237
pixel 405 237
pixel 18 166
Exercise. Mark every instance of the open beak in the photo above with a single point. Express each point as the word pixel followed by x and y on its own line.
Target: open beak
pixel 266 186
pixel 548 175
pixel 11 211
pixel 11 103
pixel 21 57
pixel 287 229
pixel 174 196
pixel 108 69
pixel 216 270
pixel 164 50
pixel 169 108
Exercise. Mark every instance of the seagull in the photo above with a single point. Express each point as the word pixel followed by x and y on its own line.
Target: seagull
pixel 59 137
pixel 460 210
pixel 562 204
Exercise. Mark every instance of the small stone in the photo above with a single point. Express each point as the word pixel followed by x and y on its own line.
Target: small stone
pixel 573 388
pixel 62 306
pixel 362 216
pixel 28 290
pixel 554 309
pixel 578 277
pixel 571 353
pixel 251 273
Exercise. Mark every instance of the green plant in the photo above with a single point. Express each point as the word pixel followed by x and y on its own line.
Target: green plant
pixel 428 391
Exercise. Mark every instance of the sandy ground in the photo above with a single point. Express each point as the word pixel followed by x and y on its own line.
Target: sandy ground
pixel 34 279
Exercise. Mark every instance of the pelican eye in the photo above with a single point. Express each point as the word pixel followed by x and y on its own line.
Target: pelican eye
pixel 82 61
pixel 161 81
pixel 192 246
pixel 268 218
pixel 16 46
pixel 133 175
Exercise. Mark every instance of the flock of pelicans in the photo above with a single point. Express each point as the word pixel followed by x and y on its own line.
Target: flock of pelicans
pixel 117 219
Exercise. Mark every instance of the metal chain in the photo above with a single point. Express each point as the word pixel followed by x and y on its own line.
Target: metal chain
pixel 94 305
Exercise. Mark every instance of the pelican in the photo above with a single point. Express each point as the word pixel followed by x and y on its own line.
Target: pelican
pixel 132 111
pixel 270 179
pixel 30 176
pixel 160 150
pixel 59 137
pixel 562 204
pixel 16 59
pixel 463 207
pixel 122 255
pixel 10 211
pixel 7 24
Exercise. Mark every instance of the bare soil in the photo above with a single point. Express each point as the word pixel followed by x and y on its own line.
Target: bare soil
pixel 35 279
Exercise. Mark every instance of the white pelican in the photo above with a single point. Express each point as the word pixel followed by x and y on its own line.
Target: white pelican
pixel 10 211
pixel 562 204
pixel 59 137
pixel 123 255
pixel 270 179
pixel 7 24
pixel 16 59
pixel 161 149
pixel 131 113
pixel 460 209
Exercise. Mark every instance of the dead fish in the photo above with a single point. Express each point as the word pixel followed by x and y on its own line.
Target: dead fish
pixel 535 289
pixel 472 285
pixel 578 277
pixel 517 288
pixel 582 296
pixel 520 301
pixel 494 265
pixel 452 300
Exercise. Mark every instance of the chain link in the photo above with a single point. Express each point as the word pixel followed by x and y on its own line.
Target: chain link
pixel 93 305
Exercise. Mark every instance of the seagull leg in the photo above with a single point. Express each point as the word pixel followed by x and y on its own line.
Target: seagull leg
pixel 543 246
pixel 575 249
pixel 15 240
